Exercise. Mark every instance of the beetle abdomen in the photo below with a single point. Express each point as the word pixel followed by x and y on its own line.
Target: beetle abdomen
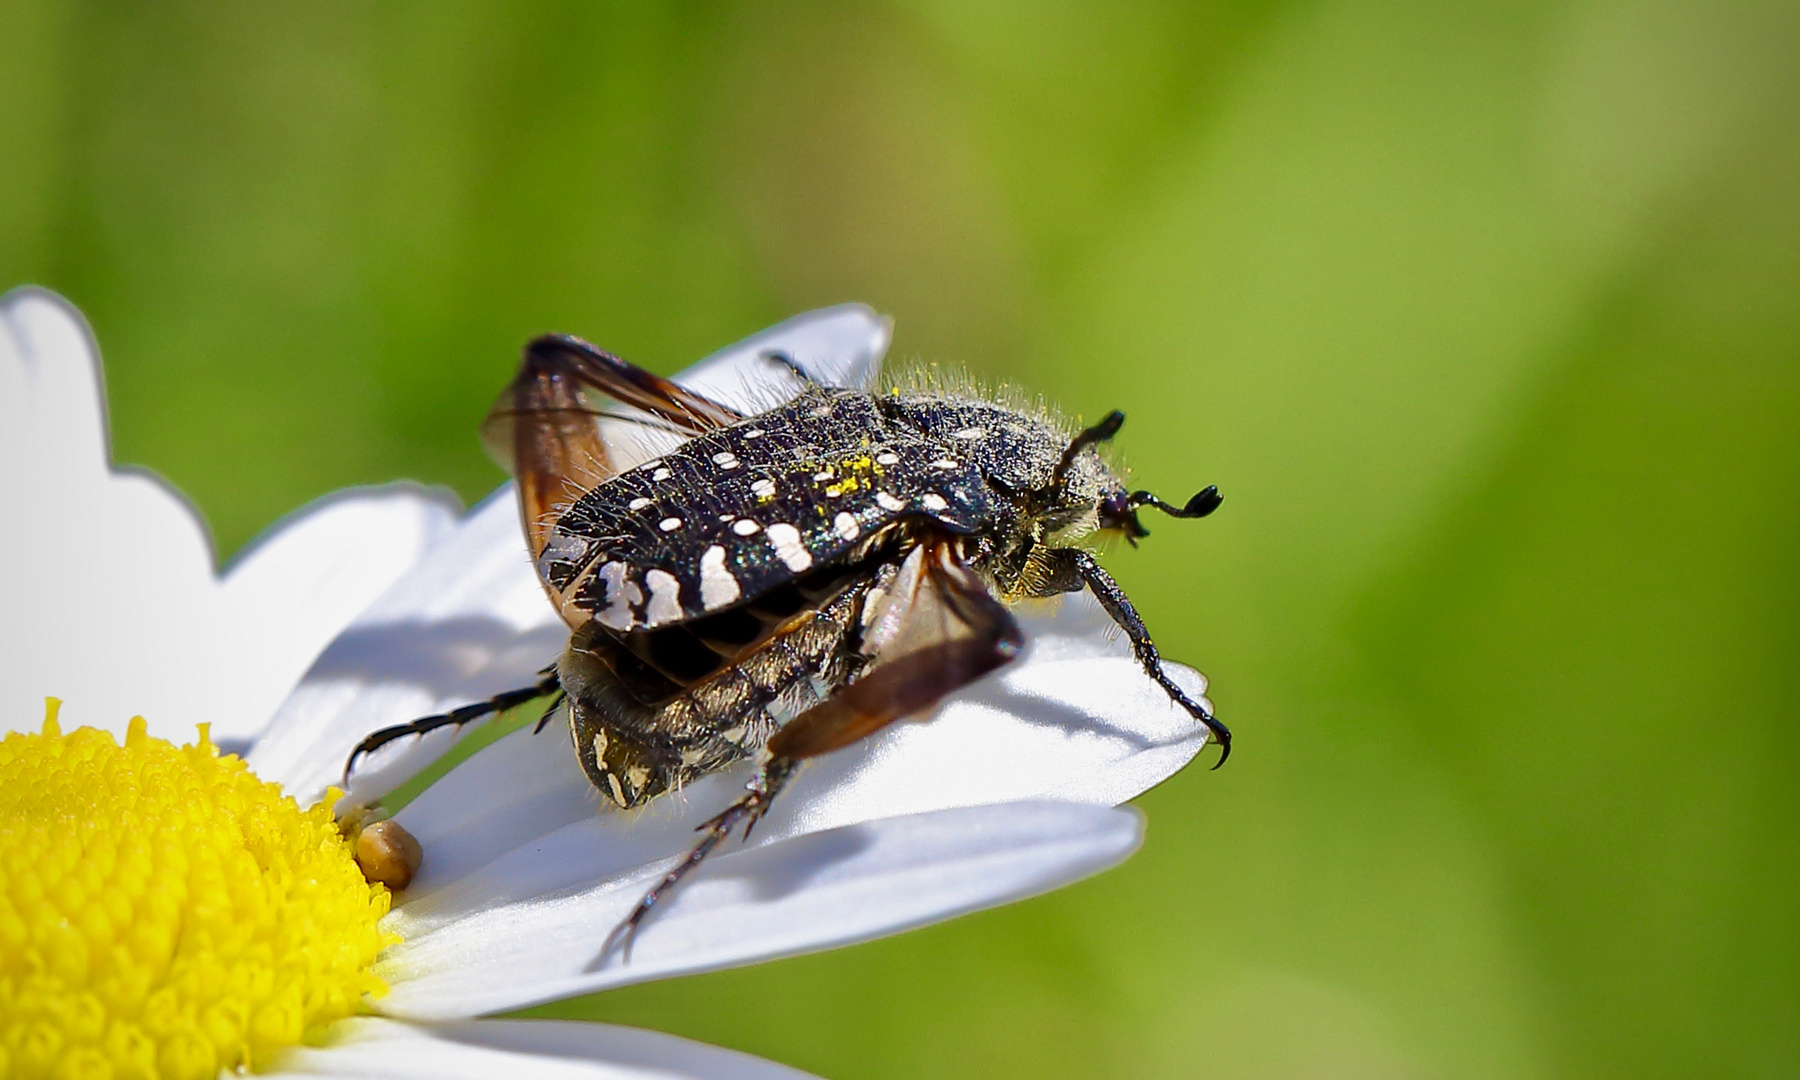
pixel 633 750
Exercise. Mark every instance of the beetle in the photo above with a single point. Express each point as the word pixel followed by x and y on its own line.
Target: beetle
pixel 782 583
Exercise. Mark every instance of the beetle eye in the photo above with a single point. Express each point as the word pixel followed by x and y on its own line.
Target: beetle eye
pixel 1117 512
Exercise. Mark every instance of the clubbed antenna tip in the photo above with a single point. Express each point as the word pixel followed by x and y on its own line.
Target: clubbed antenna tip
pixel 1204 502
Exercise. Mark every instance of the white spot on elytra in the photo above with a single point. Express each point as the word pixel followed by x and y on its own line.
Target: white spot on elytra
pixel 823 476
pixel 669 524
pixel 744 526
pixel 846 526
pixel 661 474
pixel 725 459
pixel 889 503
pixel 934 501
pixel 945 463
pixel 638 503
pixel 618 793
pixel 755 433
pixel 665 598
pixel 622 595
pixel 786 539
pixel 887 457
pixel 763 489
pixel 717 586
pixel 971 433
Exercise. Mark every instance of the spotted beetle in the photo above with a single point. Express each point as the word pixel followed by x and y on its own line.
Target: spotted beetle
pixel 786 582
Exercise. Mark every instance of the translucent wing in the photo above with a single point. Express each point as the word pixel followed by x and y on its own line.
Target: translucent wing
pixel 543 428
pixel 838 346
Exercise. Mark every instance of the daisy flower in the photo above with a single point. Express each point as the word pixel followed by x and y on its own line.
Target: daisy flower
pixel 177 910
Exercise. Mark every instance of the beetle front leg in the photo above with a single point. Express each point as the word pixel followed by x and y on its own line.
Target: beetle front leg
pixel 1080 564
pixel 547 684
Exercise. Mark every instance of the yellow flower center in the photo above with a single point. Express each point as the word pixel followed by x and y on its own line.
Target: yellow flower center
pixel 164 913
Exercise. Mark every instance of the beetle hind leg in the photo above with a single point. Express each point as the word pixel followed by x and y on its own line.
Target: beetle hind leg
pixel 759 794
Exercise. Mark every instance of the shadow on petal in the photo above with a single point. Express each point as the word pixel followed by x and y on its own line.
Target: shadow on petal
pixel 438 656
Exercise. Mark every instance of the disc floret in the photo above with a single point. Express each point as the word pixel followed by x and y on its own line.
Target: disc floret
pixel 165 913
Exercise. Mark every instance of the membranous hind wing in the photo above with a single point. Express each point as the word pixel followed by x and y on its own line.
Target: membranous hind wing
pixel 543 427
pixel 933 630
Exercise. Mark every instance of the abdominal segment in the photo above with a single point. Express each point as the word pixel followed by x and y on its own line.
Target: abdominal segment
pixel 633 750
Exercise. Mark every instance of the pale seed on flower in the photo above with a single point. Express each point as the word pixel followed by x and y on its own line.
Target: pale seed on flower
pixel 388 854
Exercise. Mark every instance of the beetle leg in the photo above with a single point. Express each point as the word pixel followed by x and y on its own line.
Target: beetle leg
pixel 547 684
pixel 550 712
pixel 1119 606
pixel 747 811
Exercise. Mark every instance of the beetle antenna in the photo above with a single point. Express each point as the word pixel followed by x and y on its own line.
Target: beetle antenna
pixel 1204 502
pixel 1107 427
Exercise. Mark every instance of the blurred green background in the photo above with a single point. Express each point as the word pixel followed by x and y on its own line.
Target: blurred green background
pixel 1486 318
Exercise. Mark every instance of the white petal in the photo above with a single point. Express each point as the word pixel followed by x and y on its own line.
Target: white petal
pixel 469 621
pixel 106 576
pixel 1074 719
pixel 102 571
pixel 520 788
pixel 838 346
pixel 294 590
pixel 531 1049
pixel 472 620
pixel 809 893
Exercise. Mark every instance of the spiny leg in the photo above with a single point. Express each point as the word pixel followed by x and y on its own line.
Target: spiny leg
pixel 547 684
pixel 747 811
pixel 1119 606
pixel 550 711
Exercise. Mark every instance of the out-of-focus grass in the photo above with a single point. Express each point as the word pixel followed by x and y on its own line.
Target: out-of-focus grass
pixel 1485 321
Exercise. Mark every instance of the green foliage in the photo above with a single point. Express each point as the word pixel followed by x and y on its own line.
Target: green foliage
pixel 1484 319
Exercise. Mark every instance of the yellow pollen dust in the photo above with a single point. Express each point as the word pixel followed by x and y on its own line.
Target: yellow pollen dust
pixel 858 472
pixel 164 913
